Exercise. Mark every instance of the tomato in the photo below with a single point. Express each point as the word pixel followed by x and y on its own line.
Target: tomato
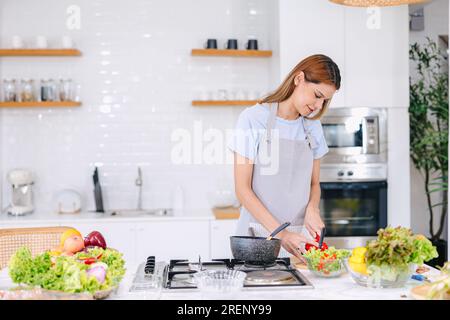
pixel 90 261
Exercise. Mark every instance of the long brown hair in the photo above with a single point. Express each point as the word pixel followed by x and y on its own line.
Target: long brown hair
pixel 317 69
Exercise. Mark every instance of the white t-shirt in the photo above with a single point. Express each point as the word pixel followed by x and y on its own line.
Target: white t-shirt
pixel 251 126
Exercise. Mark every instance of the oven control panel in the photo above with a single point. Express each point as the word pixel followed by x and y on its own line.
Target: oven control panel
pixel 352 172
pixel 370 135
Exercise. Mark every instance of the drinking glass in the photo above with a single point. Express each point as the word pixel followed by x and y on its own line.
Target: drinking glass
pixel 146 288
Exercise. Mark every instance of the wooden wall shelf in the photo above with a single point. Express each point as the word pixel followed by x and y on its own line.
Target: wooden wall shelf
pixel 204 103
pixel 231 53
pixel 39 52
pixel 43 104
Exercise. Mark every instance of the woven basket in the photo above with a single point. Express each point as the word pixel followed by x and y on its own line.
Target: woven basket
pixel 37 240
pixel 377 3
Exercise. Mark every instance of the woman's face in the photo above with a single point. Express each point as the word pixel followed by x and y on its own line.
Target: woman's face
pixel 309 97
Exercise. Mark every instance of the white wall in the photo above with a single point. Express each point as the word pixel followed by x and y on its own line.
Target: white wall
pixel 436 23
pixel 137 80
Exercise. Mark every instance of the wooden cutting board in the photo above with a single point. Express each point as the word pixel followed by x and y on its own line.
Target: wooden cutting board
pixel 226 213
pixel 298 264
pixel 420 292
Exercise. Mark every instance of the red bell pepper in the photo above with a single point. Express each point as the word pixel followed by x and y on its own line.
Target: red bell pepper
pixel 317 239
pixel 90 260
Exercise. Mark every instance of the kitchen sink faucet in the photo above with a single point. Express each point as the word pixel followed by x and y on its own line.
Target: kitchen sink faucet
pixel 138 183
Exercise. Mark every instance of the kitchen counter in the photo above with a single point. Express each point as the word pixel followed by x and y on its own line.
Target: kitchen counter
pixel 342 288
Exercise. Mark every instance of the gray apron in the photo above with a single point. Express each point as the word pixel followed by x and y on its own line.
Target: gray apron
pixel 284 193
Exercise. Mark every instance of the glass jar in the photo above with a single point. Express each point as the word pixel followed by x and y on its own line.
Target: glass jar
pixel 65 89
pixel 27 90
pixel 9 90
pixel 48 90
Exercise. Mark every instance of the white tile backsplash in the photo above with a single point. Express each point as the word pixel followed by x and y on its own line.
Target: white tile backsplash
pixel 137 81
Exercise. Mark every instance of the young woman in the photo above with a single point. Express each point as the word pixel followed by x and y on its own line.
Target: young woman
pixel 277 149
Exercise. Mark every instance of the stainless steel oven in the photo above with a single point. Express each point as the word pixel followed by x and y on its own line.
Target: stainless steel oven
pixel 353 202
pixel 355 135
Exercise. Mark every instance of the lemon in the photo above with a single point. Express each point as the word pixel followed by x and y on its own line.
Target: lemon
pixel 357 261
pixel 68 233
pixel 358 267
pixel 359 251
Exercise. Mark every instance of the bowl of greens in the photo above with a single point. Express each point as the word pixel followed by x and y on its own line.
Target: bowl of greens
pixel 390 260
pixel 326 263
pixel 381 277
pixel 95 270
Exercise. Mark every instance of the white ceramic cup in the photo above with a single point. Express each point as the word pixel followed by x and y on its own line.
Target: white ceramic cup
pixel 67 42
pixel 41 42
pixel 17 42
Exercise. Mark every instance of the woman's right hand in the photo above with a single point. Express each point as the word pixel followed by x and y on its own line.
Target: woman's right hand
pixel 294 242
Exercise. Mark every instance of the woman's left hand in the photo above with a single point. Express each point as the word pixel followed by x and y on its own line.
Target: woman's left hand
pixel 313 221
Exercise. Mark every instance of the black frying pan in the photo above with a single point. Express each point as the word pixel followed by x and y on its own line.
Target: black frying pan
pixel 257 250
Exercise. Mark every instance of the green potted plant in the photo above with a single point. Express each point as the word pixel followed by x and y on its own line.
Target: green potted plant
pixel 428 114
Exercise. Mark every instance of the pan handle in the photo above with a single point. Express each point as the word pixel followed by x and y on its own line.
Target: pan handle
pixel 278 230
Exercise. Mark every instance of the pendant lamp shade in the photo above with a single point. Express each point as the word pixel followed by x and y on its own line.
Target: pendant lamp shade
pixel 377 3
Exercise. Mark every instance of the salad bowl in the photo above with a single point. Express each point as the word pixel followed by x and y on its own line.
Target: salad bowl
pixel 326 263
pixel 382 277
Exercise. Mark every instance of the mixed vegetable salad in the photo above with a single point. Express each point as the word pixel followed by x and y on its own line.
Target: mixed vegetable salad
pixel 90 269
pixel 326 261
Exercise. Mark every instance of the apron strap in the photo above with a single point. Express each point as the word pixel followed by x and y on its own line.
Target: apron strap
pixel 271 121
pixel 309 137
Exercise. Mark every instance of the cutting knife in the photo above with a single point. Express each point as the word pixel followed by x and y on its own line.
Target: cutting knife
pixel 322 235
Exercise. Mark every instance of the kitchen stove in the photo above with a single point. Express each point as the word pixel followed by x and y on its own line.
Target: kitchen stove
pixel 178 274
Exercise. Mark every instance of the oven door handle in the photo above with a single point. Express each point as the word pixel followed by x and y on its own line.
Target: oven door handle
pixel 350 219
pixel 353 185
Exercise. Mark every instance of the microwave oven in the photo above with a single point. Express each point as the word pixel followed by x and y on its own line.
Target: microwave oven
pixel 355 135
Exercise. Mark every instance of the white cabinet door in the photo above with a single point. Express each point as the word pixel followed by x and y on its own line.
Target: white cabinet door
pixel 377 58
pixel 312 27
pixel 221 231
pixel 118 235
pixel 173 240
